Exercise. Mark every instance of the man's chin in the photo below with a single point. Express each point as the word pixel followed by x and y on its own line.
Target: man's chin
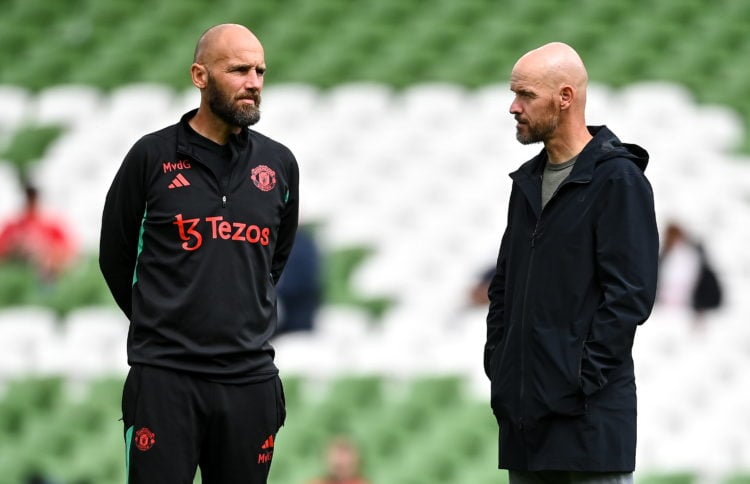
pixel 249 117
pixel 525 139
pixel 522 136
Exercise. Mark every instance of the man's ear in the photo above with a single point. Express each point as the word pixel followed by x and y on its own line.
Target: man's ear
pixel 199 75
pixel 566 97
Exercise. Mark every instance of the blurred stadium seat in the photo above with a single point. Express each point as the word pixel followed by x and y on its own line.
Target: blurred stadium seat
pixel 27 341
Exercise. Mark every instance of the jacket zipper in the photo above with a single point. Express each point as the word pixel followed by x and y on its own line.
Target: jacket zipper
pixel 522 391
pixel 234 161
pixel 221 183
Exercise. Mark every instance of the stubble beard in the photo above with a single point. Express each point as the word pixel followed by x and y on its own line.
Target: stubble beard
pixel 540 131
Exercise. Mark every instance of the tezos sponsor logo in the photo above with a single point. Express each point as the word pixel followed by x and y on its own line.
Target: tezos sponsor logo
pixel 188 229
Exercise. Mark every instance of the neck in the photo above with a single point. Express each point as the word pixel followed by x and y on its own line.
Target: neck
pixel 564 145
pixel 209 126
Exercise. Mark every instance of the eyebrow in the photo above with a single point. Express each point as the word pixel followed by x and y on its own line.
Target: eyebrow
pixel 523 91
pixel 246 66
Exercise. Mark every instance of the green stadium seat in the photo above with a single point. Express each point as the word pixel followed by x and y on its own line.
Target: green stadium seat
pixel 382 439
pixel 304 433
pixel 41 393
pixel 38 13
pixel 18 285
pixel 361 391
pixel 109 14
pixel 436 391
pixel 16 37
pixel 738 478
pixel 392 13
pixel 668 478
pixel 12 461
pixel 294 390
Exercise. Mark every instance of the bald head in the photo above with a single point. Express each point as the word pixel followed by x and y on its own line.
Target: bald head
pixel 219 41
pixel 550 86
pixel 229 67
pixel 553 65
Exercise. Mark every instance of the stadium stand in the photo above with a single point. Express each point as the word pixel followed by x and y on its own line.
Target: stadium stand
pixel 355 363
pixel 397 111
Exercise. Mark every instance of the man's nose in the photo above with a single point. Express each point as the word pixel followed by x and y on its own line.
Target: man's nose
pixel 514 108
pixel 253 80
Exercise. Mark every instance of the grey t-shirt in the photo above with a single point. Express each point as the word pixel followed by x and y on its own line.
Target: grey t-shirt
pixel 554 174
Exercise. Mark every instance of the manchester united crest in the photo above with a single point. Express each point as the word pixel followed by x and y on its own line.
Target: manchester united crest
pixel 144 439
pixel 263 177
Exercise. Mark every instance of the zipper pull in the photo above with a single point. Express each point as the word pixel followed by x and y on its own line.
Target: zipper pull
pixel 223 201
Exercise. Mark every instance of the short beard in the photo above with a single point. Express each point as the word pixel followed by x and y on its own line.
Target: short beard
pixel 224 107
pixel 541 131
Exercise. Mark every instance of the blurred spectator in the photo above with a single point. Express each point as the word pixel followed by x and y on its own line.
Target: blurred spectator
pixel 343 464
pixel 300 289
pixel 686 277
pixel 37 238
pixel 478 292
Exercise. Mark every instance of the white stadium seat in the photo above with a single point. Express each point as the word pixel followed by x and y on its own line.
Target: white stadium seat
pixel 29 337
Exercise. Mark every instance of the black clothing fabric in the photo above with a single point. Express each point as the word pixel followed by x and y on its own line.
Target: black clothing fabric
pixel 707 293
pixel 175 422
pixel 569 477
pixel 573 280
pixel 192 251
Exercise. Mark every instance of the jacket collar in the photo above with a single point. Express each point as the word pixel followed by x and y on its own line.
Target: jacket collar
pixel 584 166
pixel 184 131
pixel 603 146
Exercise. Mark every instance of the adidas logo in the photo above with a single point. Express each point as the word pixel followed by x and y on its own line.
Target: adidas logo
pixel 268 444
pixel 179 181
pixel 265 457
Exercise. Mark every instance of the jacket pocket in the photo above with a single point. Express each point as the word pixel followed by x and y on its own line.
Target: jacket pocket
pixel 555 387
pixel 505 381
pixel 280 404
pixel 130 393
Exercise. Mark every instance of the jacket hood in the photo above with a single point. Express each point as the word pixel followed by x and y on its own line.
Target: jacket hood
pixel 607 146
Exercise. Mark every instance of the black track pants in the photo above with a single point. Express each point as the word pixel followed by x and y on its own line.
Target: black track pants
pixel 175 422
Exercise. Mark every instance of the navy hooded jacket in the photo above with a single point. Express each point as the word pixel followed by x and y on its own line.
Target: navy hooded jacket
pixel 573 280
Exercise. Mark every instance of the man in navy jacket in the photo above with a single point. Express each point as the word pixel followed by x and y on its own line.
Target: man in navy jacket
pixel 576 274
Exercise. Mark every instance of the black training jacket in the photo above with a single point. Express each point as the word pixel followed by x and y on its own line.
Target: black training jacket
pixel 573 281
pixel 192 256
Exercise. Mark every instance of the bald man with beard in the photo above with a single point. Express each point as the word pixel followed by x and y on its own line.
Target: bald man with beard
pixel 197 227
pixel 575 276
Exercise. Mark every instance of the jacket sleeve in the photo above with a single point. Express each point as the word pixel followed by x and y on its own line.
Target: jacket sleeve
pixel 124 210
pixel 496 314
pixel 627 246
pixel 288 225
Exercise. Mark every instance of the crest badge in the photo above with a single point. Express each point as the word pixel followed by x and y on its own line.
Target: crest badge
pixel 144 439
pixel 263 177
